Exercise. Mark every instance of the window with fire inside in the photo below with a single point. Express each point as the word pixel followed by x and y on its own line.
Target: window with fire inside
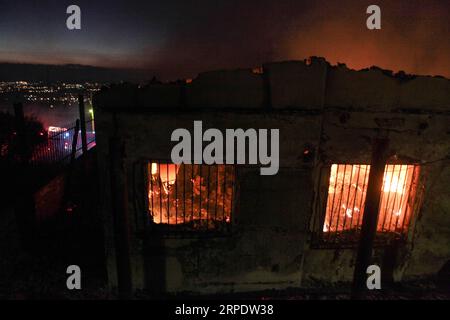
pixel 190 198
pixel 341 202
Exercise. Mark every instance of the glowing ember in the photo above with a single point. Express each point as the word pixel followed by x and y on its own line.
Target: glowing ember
pixel 347 193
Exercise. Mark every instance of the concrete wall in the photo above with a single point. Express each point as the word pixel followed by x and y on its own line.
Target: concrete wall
pixel 330 110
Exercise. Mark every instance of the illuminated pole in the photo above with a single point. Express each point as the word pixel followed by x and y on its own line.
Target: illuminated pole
pixel 82 123
pixel 91 112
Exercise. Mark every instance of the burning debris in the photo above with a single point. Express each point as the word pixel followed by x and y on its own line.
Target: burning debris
pixel 347 193
pixel 197 196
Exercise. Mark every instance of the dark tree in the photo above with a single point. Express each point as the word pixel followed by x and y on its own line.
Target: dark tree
pixel 34 134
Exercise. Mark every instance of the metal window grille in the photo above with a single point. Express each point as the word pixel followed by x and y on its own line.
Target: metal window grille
pixel 191 197
pixel 346 196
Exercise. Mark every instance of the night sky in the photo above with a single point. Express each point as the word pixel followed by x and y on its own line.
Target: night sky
pixel 177 39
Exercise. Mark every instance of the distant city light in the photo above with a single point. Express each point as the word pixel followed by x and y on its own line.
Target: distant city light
pixel 62 93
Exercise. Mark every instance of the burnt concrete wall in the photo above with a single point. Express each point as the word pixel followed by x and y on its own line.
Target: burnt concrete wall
pixel 332 111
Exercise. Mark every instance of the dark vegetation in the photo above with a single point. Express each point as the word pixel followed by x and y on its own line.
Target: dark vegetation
pixel 34 133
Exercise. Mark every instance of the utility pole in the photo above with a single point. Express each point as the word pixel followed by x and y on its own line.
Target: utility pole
pixel 370 218
pixel 119 202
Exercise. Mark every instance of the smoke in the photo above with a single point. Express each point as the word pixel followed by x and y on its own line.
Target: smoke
pixel 178 39
pixel 60 116
pixel 413 38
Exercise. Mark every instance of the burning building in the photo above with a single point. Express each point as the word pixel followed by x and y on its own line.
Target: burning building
pixel 225 228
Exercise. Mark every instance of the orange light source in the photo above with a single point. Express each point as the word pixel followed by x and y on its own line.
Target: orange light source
pixel 347 193
pixel 195 195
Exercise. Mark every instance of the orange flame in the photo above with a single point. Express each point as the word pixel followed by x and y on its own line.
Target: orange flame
pixel 190 194
pixel 347 192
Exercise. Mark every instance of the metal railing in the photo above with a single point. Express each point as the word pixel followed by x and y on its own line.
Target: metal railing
pixel 62 144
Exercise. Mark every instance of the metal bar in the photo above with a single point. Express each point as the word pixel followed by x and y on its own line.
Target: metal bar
pixel 354 198
pixel 208 198
pixel 233 175
pixel 340 201
pixel 151 188
pixel 74 142
pixel 83 122
pixel 217 191
pixel 192 193
pixel 176 194
pixel 402 197
pixel 200 200
pixel 388 194
pixel 348 198
pixel 363 198
pixel 408 211
pixel 224 192
pixel 160 193
pixel 332 202
pixel 168 193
